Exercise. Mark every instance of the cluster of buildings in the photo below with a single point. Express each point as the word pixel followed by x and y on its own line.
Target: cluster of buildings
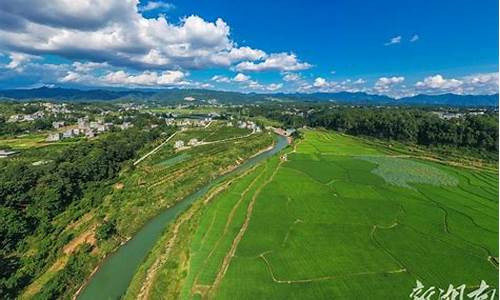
pixel 248 125
pixel 47 108
pixel 56 108
pixel 26 117
pixel 186 122
pixel 85 128
pixel 131 106
pixel 445 115
pixel 284 132
pixel 58 124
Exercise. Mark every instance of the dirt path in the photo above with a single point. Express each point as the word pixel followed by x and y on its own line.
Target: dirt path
pixel 86 237
pixel 153 270
pixel 239 236
pixel 276 280
pixel 226 140
pixel 372 236
pixel 155 149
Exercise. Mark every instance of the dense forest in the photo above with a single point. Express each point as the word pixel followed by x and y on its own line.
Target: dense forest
pixel 31 196
pixel 413 125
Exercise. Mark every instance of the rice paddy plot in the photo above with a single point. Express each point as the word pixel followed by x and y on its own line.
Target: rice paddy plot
pixel 403 172
pixel 340 218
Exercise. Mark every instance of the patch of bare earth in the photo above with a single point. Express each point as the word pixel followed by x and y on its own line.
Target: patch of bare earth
pixel 87 236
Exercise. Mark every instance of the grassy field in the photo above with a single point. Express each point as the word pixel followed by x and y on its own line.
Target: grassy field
pixel 333 218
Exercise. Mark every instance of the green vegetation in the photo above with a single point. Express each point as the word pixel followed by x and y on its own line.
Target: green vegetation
pixel 224 132
pixel 156 184
pixel 34 197
pixel 137 195
pixel 402 172
pixel 335 217
pixel 475 134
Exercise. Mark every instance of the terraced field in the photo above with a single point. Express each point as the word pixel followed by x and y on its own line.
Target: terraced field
pixel 331 218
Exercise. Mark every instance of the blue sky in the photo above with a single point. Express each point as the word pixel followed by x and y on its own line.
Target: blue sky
pixel 396 48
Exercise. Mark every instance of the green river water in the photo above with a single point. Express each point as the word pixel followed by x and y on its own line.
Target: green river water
pixel 114 275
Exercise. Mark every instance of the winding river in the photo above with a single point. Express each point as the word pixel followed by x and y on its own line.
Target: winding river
pixel 114 275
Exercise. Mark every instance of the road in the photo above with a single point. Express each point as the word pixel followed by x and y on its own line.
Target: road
pixel 155 149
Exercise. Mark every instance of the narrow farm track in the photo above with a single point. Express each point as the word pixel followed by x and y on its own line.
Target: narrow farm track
pixel 155 149
pixel 281 281
pixel 433 238
pixel 290 230
pixel 447 230
pixel 151 274
pixel 379 245
pixel 239 236
pixel 209 229
pixel 229 220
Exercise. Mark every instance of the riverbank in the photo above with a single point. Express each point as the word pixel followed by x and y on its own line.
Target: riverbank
pixel 112 279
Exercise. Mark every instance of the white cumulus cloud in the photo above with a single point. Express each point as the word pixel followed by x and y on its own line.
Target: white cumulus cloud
pixel 394 40
pixel 17 60
pixel 274 62
pixel 320 82
pixel 123 78
pixel 482 83
pixel 220 78
pixel 291 77
pixel 384 84
pixel 152 5
pixel 240 77
pixel 115 32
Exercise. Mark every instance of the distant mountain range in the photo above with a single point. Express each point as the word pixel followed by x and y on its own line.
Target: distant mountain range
pixel 179 95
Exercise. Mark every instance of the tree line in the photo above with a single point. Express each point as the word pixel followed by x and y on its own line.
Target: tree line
pixel 411 125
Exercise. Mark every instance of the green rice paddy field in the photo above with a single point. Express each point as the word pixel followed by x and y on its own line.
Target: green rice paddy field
pixel 335 218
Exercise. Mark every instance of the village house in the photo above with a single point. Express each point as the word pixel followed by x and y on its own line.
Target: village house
pixel 83 123
pixel 53 137
pixel 179 144
pixel 67 134
pixel 89 134
pixel 125 125
pixel 193 142
pixel 57 124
